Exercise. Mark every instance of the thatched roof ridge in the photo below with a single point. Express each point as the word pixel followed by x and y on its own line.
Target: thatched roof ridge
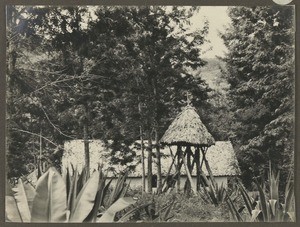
pixel 187 129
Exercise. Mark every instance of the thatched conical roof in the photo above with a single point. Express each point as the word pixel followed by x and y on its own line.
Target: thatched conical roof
pixel 187 129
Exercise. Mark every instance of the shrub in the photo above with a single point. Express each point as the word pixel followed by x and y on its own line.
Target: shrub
pixel 214 194
pixel 56 200
pixel 197 209
pixel 150 208
pixel 76 197
pixel 267 206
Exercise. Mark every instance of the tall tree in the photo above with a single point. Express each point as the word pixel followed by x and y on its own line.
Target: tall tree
pixel 165 52
pixel 260 70
pixel 109 76
pixel 23 112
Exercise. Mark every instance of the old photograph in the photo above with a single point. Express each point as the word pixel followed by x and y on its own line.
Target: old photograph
pixel 150 113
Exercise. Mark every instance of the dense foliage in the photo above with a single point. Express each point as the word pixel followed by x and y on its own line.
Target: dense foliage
pixel 260 71
pixel 122 74
pixel 112 73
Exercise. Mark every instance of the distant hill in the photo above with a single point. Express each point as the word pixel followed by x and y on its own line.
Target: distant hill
pixel 211 73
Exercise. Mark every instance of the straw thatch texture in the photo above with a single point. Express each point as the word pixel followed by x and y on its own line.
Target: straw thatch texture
pixel 187 129
pixel 221 158
pixel 99 154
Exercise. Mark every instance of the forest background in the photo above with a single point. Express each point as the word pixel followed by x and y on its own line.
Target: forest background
pixel 126 74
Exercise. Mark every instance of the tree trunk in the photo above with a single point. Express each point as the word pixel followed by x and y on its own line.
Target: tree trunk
pixel 143 160
pixel 158 162
pixel 159 180
pixel 11 59
pixel 142 148
pixel 11 47
pixel 39 166
pixel 86 147
pixel 86 141
pixel 149 174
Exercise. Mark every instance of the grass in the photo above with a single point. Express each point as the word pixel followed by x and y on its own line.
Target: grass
pixel 195 209
pixel 186 208
pixel 123 204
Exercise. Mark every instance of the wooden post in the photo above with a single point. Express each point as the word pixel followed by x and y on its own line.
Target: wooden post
pixel 179 158
pixel 85 122
pixel 188 152
pixel 142 152
pixel 188 172
pixel 177 166
pixel 170 168
pixel 40 172
pixel 188 157
pixel 212 179
pixel 197 161
pixel 142 146
pixel 158 163
pixel 143 162
pixel 149 172
pixel 202 177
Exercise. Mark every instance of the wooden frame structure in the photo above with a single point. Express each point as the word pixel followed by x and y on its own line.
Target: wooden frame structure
pixel 187 130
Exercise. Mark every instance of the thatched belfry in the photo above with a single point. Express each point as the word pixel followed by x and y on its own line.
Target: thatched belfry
pixel 187 131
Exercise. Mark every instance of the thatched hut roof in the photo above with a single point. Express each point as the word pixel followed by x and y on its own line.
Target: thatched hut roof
pixel 221 158
pixel 187 129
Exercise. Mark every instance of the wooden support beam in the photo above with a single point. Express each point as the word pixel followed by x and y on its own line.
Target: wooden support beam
pixel 193 164
pixel 212 179
pixel 176 175
pixel 173 157
pixel 170 168
pixel 188 172
pixel 179 158
pixel 198 168
pixel 188 153
pixel 188 157
pixel 149 168
pixel 202 160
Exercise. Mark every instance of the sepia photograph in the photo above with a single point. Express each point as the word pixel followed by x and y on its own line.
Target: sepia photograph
pixel 154 113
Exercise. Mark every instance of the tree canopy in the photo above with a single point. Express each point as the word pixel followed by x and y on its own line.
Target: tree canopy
pixel 119 73
pixel 260 71
pixel 98 78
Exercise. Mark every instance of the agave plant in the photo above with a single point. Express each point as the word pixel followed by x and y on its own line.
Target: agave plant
pixel 214 194
pixel 54 200
pixel 268 207
pixel 153 211
pixel 249 204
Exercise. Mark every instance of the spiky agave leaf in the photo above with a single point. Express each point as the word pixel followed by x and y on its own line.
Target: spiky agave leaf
pixel 98 200
pixel 289 195
pixel 119 205
pixel 246 198
pixel 21 201
pixel 49 204
pixel 85 199
pixel 233 210
pixel 263 202
pixel 273 183
pixel 132 212
pixel 118 190
pixel 273 204
pixel 12 213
